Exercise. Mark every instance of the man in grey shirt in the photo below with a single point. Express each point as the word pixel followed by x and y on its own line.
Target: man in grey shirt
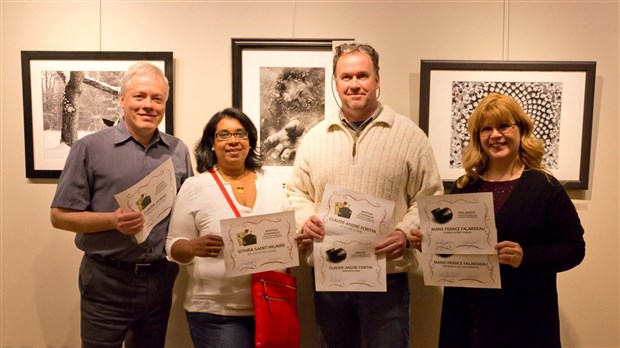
pixel 125 287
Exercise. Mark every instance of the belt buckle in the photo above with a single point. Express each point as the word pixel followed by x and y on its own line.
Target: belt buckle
pixel 137 266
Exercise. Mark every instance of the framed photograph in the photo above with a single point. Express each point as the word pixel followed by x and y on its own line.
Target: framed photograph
pixel 68 95
pixel 558 96
pixel 285 87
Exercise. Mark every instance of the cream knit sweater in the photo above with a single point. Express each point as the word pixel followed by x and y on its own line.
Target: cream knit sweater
pixel 392 159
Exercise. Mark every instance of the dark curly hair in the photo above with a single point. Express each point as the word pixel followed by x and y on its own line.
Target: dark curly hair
pixel 205 156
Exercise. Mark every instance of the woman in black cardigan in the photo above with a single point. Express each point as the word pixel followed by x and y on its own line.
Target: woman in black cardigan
pixel 538 228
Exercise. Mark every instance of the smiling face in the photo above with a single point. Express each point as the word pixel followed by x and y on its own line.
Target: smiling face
pixel 357 84
pixel 230 153
pixel 502 143
pixel 144 105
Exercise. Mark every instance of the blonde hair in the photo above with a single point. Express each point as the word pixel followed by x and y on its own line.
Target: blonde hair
pixel 492 110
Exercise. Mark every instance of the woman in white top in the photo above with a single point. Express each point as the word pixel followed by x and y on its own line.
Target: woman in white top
pixel 219 309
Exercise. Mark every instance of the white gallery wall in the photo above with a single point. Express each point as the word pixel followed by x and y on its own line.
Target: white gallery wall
pixel 39 265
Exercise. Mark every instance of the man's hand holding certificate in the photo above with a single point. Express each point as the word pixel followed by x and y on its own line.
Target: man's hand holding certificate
pixel 153 195
pixel 458 242
pixel 354 223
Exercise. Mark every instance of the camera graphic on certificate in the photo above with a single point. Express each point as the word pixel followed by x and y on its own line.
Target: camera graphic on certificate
pixel 459 236
pixel 354 223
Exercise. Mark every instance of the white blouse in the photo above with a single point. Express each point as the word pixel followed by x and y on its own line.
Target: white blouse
pixel 197 211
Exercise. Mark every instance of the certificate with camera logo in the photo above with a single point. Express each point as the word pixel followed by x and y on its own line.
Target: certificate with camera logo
pixel 459 236
pixel 152 195
pixel 458 224
pixel 354 223
pixel 259 243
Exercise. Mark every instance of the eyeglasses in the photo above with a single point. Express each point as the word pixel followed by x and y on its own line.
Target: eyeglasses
pixel 225 135
pixel 503 128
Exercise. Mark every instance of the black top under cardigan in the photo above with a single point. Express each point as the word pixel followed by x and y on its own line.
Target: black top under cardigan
pixel 539 216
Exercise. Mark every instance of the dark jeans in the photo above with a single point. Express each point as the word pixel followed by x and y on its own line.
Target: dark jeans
pixel 118 305
pixel 378 319
pixel 211 330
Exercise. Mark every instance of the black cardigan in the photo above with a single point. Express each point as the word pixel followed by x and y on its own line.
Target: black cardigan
pixel 539 216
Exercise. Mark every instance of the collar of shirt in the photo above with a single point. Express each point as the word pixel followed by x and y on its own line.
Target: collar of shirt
pixel 357 127
pixel 121 135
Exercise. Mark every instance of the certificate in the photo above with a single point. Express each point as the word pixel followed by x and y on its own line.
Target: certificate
pixel 465 270
pixel 259 243
pixel 153 195
pixel 458 224
pixel 354 223
pixel 348 263
pixel 349 212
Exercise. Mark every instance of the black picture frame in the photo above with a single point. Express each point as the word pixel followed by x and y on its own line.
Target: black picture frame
pixel 259 64
pixel 239 45
pixel 549 91
pixel 43 71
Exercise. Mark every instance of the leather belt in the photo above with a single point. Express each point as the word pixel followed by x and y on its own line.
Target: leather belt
pixel 139 267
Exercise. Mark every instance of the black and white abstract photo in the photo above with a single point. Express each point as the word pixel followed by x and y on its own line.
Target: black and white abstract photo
pixel 558 96
pixel 292 100
pixel 542 101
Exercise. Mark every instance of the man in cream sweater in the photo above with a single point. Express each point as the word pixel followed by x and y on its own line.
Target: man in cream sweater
pixel 367 147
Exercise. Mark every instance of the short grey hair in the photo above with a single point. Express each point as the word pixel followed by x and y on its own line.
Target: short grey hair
pixel 144 69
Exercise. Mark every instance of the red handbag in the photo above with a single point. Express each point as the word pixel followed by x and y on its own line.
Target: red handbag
pixel 275 310
pixel 275 302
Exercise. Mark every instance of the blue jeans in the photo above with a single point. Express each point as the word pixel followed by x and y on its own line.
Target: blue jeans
pixel 212 330
pixel 371 319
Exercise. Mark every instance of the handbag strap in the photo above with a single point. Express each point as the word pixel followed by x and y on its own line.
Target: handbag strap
pixel 229 200
pixel 224 192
